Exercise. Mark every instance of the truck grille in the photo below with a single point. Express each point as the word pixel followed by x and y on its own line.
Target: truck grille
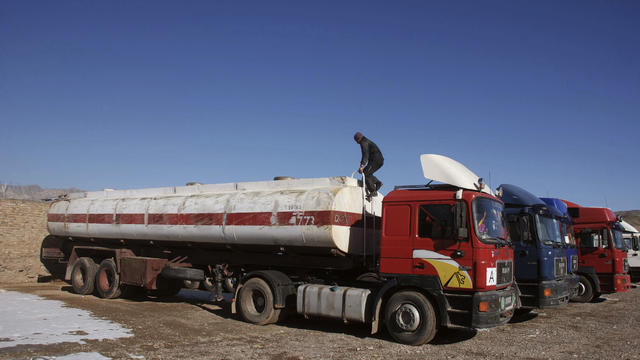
pixel 505 272
pixel 574 263
pixel 561 267
pixel 626 265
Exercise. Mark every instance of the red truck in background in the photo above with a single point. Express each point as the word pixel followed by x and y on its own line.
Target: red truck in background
pixel 602 254
pixel 439 256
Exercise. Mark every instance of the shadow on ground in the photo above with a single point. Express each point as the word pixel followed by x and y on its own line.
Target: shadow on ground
pixel 205 300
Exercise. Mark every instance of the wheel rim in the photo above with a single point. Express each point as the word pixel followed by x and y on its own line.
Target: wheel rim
pixel 105 279
pixel 407 317
pixel 79 276
pixel 258 300
pixel 581 289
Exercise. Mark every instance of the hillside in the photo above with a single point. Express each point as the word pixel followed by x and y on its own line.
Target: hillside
pixel 631 216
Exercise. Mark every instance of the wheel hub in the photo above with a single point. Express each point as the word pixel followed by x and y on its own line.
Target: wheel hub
pixel 581 289
pixel 408 317
pixel 258 301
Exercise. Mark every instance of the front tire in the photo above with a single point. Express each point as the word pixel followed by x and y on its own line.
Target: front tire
pixel 83 275
pixel 410 318
pixel 256 303
pixel 108 280
pixel 585 290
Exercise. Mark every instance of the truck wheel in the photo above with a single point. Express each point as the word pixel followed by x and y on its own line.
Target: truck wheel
pixel 410 318
pixel 191 284
pixel 182 273
pixel 256 303
pixel 83 275
pixel 585 291
pixel 108 280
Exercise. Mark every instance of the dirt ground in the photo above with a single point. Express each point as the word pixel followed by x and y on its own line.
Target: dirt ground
pixel 190 326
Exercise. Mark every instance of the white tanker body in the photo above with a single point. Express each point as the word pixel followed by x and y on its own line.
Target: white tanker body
pixel 320 214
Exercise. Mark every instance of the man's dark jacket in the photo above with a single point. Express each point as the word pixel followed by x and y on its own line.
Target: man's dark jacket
pixel 370 152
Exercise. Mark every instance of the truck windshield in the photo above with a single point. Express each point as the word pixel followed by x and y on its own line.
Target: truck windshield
pixel 617 240
pixel 548 231
pixel 488 220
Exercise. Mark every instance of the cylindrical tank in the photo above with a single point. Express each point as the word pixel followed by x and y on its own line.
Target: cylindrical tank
pixel 320 213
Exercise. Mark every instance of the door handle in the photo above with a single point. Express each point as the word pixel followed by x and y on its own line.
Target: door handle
pixel 418 266
pixel 602 255
pixel 524 253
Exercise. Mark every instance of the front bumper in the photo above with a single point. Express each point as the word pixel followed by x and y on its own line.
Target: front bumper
pixel 621 282
pixel 574 285
pixel 499 306
pixel 552 293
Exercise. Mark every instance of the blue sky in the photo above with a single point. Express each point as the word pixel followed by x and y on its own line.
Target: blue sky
pixel 120 94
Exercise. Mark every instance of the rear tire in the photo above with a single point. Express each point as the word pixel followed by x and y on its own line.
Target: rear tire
pixel 83 275
pixel 410 318
pixel 585 290
pixel 256 303
pixel 108 280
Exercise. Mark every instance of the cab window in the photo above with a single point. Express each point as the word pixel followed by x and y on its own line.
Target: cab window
pixel 520 228
pixel 435 221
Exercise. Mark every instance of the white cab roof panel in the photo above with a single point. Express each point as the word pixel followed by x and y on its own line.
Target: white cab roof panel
pixel 446 170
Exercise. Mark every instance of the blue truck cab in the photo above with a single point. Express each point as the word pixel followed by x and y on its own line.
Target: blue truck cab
pixel 558 207
pixel 540 257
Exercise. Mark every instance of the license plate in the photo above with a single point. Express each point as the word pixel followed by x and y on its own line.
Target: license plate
pixel 506 302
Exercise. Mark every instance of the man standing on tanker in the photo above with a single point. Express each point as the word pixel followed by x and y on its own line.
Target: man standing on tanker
pixel 372 158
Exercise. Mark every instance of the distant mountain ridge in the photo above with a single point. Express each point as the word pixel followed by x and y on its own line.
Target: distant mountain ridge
pixel 32 192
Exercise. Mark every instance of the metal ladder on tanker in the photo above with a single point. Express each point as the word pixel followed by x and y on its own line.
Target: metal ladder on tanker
pixel 364 224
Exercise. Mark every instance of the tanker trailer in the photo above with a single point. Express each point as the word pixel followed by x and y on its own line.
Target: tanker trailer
pixel 311 246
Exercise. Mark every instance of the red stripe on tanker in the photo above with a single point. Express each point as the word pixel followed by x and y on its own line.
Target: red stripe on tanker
pixel 317 218
pixel 322 212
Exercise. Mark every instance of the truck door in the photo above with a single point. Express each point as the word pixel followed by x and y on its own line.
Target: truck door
pixel 599 257
pixel 525 252
pixel 439 249
pixel 596 252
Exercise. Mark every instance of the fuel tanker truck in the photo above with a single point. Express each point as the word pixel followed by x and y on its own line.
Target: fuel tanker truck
pixel 421 258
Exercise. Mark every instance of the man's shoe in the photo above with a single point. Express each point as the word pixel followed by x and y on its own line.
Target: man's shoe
pixel 378 185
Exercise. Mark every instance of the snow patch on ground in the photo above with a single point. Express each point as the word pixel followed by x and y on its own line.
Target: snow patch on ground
pixel 30 319
pixel 78 356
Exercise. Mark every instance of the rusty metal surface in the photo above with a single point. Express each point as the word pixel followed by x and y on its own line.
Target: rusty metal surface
pixel 141 271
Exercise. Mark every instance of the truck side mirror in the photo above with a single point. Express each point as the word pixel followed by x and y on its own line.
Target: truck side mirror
pixel 460 220
pixel 524 228
pixel 588 239
pixel 635 244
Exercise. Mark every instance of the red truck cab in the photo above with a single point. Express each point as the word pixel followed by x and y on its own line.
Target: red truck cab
pixel 602 259
pixel 456 238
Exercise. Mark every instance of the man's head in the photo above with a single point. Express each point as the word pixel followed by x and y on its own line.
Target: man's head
pixel 357 137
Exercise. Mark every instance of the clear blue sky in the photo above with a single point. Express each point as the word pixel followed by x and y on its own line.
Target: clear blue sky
pixel 130 94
